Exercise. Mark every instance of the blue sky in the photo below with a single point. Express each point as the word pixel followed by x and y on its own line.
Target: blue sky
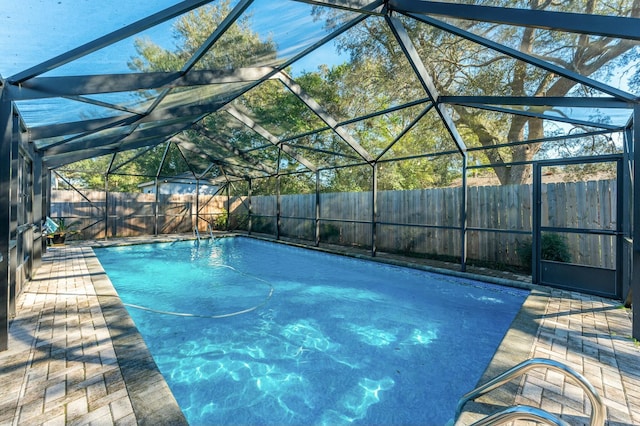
pixel 32 31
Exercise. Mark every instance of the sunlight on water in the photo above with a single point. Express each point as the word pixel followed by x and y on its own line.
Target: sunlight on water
pixel 340 341
pixel 419 337
pixel 305 334
pixel 371 335
pixel 357 401
pixel 488 299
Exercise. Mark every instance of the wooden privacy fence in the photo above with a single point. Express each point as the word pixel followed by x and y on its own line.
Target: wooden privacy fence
pixel 418 222
pixel 132 214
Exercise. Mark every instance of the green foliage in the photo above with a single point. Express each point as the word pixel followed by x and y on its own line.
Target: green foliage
pixel 330 233
pixel 461 67
pixel 553 247
pixel 220 221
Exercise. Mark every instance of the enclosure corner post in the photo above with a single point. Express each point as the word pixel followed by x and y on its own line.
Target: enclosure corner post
pixel 6 123
pixel 535 224
pixel 17 247
pixel 635 283
pixel 374 207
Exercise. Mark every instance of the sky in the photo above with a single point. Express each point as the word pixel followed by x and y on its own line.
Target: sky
pixel 33 31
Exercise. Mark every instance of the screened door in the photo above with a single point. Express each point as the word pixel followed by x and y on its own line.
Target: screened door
pixel 577 225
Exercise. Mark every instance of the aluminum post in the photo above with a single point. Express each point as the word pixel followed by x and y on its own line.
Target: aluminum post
pixel 250 190
pixel 6 112
pixel 317 221
pixel 463 216
pixel 277 207
pixel 635 280
pixel 374 207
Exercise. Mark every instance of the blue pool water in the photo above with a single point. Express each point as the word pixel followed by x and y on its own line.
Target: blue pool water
pixel 273 334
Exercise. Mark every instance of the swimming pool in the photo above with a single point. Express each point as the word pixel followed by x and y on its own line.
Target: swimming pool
pixel 265 333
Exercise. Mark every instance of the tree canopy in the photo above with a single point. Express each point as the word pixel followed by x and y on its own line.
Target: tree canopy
pixel 378 77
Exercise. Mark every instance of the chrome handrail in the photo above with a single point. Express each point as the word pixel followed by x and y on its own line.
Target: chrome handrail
pixel 521 412
pixel 210 229
pixel 197 233
pixel 597 406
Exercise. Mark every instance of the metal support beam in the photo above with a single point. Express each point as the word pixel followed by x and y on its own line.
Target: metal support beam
pixel 278 207
pixel 228 21
pixel 530 59
pixel 374 207
pixel 627 218
pixel 317 220
pixel 250 208
pixel 156 203
pixel 271 138
pixel 226 220
pixel 581 23
pixel 357 6
pixel 323 115
pixel 109 39
pixel 82 85
pixel 6 124
pixel 635 284
pixel 197 195
pixel 550 101
pixel 106 206
pixel 463 217
pixel 539 115
pixel 536 220
pixel 39 215
pixel 16 253
pixel 425 79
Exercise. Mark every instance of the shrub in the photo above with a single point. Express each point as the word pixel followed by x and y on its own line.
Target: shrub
pixel 553 247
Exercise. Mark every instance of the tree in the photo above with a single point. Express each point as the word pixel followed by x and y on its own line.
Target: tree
pixel 461 67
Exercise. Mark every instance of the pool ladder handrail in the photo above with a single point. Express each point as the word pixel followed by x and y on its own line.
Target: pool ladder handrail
pixel 597 406
pixel 210 229
pixel 196 233
pixel 521 412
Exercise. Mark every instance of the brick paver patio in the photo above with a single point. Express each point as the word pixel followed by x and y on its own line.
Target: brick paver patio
pixel 75 357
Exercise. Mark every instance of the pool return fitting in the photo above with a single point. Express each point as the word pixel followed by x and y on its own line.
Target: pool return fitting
pixel 184 314
pixel 523 412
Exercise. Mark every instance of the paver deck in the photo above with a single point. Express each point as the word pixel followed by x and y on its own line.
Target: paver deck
pixel 75 356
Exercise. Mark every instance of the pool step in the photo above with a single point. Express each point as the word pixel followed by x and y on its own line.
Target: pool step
pixel 524 412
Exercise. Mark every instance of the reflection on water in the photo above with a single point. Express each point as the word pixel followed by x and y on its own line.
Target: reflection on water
pixel 340 341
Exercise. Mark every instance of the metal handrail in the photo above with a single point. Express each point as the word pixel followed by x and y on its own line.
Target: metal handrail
pixel 197 233
pixel 597 406
pixel 521 412
pixel 210 229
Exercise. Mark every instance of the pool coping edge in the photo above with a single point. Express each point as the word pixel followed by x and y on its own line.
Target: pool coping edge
pixel 151 399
